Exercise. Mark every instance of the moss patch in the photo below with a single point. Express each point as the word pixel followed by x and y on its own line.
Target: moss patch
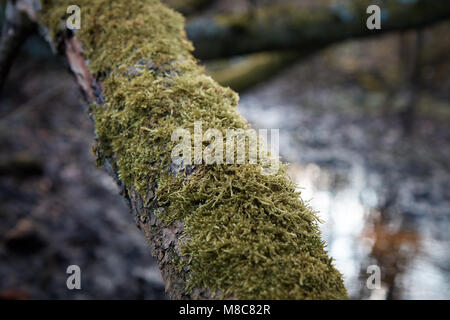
pixel 248 235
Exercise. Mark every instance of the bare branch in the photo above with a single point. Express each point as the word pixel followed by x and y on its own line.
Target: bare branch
pixel 16 28
pixel 289 28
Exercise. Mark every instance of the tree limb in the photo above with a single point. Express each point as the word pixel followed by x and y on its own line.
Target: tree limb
pixel 252 69
pixel 289 28
pixel 188 7
pixel 217 231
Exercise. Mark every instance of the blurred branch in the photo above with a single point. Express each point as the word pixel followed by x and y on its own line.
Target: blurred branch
pixel 413 77
pixel 188 7
pixel 16 28
pixel 289 28
pixel 250 70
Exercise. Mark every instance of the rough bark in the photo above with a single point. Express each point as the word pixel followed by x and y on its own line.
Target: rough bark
pixel 297 264
pixel 289 28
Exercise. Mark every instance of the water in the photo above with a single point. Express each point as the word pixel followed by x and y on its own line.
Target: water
pixel 382 198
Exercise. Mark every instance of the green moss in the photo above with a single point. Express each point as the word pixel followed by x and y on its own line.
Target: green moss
pixel 247 235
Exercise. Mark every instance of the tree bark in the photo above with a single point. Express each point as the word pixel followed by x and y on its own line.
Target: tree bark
pixel 216 231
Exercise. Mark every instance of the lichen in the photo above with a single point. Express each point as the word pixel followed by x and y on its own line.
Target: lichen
pixel 247 235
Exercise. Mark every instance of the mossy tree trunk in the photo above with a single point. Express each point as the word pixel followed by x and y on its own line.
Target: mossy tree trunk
pixel 217 231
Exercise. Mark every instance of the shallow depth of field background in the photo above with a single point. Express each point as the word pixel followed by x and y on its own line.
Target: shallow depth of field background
pixel 363 123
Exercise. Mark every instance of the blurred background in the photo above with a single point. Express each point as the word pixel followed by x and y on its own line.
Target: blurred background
pixel 364 122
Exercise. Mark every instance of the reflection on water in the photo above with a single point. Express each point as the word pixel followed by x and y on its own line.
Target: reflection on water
pixel 340 209
pixel 375 204
pixel 360 233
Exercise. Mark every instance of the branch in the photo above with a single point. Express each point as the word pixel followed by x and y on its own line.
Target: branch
pixel 289 28
pixel 16 28
pixel 217 231
pixel 252 69
pixel 189 7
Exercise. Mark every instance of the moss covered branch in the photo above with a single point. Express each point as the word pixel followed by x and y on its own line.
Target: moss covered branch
pixel 217 231
pixel 289 28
